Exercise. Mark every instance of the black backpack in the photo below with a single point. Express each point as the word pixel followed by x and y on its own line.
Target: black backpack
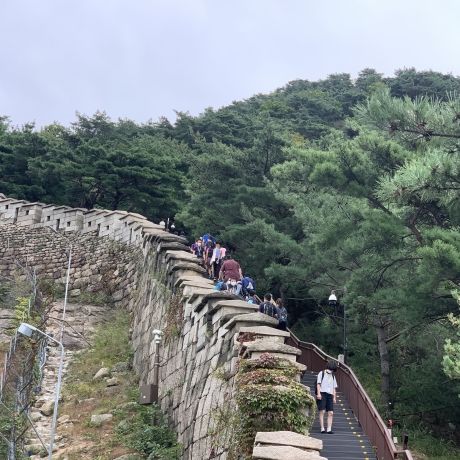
pixel 269 309
pixel 283 315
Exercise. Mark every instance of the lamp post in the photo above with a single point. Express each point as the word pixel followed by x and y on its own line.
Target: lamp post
pixel 28 330
pixel 168 224
pixel 157 336
pixel 332 301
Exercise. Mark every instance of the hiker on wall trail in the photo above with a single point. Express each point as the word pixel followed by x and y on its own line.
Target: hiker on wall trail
pixel 282 315
pixel 208 253
pixel 247 284
pixel 326 395
pixel 267 307
pixel 218 254
pixel 197 248
pixel 232 286
pixel 230 269
pixel 252 298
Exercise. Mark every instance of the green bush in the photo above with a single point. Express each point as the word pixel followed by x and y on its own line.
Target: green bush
pixel 270 399
pixel 148 433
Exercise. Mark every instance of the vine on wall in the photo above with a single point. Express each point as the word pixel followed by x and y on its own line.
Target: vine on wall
pixel 270 399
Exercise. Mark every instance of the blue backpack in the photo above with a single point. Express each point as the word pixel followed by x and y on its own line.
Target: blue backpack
pixel 248 284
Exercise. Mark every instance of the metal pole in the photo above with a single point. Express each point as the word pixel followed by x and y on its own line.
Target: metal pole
pixel 156 362
pixel 58 385
pixel 56 400
pixel 66 291
pixel 156 375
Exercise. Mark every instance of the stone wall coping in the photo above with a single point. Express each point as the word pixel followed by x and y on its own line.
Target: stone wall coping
pixel 96 211
pixel 265 330
pixel 135 223
pixel 271 346
pixel 171 237
pixel 236 303
pixel 283 453
pixel 148 224
pixel 154 231
pixel 187 266
pixel 257 318
pixel 74 210
pixel 212 296
pixel 117 212
pixel 300 367
pixel 179 255
pixel 28 205
pixel 173 245
pixel 198 282
pixel 199 291
pixel 288 438
pixel 133 216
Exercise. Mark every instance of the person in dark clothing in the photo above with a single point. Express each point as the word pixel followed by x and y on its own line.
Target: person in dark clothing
pixel 247 284
pixel 216 260
pixel 252 298
pixel 197 248
pixel 230 269
pixel 282 315
pixel 267 307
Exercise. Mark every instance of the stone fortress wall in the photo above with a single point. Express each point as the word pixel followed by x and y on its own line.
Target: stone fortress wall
pixel 152 273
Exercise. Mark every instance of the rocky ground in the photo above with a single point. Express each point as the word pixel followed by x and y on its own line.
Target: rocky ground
pixel 80 322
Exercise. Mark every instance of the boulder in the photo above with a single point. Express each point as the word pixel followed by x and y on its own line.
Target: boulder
pixel 34 416
pixel 100 419
pixel 101 373
pixel 47 408
pixel 63 419
pixel 112 382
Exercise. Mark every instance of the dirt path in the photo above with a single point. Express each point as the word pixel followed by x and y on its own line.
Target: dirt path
pixel 80 322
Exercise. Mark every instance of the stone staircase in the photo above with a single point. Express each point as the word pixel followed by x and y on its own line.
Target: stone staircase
pixel 80 321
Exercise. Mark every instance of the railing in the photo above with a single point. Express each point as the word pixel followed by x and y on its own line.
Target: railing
pixel 367 415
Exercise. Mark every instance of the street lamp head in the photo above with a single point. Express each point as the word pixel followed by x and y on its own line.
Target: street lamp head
pixel 157 335
pixel 26 329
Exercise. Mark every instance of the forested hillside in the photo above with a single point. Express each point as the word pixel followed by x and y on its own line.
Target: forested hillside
pixel 336 184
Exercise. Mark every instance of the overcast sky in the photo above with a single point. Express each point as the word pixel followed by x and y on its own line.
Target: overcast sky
pixel 145 58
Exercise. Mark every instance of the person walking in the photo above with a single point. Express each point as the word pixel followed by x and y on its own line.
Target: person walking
pixel 326 395
pixel 230 269
pixel 216 260
pixel 267 307
pixel 197 248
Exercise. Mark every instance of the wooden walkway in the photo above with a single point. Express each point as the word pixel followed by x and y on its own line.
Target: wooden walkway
pixel 348 442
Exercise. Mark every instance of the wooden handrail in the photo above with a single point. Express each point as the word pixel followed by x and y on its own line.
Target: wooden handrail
pixel 362 406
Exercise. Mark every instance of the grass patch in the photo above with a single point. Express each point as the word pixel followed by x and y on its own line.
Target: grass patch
pixel 98 298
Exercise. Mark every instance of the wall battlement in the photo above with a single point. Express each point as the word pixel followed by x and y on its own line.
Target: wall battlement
pixel 152 273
